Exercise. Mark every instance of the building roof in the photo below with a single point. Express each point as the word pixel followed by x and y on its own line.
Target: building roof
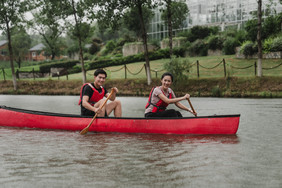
pixel 2 42
pixel 38 47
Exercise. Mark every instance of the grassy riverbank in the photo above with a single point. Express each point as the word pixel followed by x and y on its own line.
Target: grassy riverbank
pixel 206 87
pixel 209 67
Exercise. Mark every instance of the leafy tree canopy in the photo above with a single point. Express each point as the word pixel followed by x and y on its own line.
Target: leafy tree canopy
pixel 179 12
pixel 132 22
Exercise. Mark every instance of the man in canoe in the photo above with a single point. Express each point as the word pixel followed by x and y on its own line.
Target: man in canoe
pixel 92 97
pixel 161 96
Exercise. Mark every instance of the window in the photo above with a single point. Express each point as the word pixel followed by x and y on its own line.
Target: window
pixel 33 54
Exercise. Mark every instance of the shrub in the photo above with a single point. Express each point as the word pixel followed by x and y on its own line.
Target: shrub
pixel 247 49
pixel 276 44
pixel 97 40
pixel 155 42
pixel 267 45
pixel 108 61
pixel 179 68
pixel 74 69
pixel 199 32
pixel 64 64
pixel 187 44
pixel 95 47
pixel 198 48
pixel 87 56
pixel 270 26
pixel 215 42
pixel 240 35
pixel 229 46
pixel 110 46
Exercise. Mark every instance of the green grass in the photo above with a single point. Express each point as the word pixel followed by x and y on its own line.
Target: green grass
pixel 118 72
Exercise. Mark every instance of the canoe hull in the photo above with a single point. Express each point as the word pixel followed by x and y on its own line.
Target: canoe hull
pixel 225 124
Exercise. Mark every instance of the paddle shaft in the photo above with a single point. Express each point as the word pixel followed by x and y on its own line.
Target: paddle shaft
pixel 191 106
pixel 85 130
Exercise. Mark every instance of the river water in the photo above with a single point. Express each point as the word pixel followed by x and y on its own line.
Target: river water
pixel 40 158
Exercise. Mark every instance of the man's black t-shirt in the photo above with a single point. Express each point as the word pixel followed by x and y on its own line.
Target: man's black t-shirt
pixel 88 91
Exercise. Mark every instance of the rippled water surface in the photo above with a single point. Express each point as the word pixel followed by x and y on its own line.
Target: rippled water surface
pixel 40 158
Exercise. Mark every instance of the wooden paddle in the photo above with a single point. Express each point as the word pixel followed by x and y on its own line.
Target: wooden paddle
pixel 85 130
pixel 191 106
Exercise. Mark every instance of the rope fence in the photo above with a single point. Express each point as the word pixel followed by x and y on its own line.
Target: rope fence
pixel 199 69
pixel 199 66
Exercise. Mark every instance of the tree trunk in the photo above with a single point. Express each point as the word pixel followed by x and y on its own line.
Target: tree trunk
pixel 53 55
pixel 79 42
pixel 11 57
pixel 259 68
pixel 82 62
pixel 169 15
pixel 144 36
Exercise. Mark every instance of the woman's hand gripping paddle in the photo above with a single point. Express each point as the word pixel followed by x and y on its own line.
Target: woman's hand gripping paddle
pixel 86 129
pixel 192 107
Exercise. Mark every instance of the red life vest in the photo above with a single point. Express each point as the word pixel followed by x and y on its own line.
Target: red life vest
pixel 160 105
pixel 95 97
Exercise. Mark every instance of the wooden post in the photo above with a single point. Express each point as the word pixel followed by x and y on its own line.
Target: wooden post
pixel 255 68
pixel 3 70
pixel 224 67
pixel 156 73
pixel 67 75
pixel 33 74
pixel 125 75
pixel 17 74
pixel 198 70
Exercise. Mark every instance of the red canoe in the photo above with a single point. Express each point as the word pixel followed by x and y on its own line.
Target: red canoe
pixel 217 124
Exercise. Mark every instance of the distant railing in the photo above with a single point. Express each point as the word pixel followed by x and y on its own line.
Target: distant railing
pixel 199 69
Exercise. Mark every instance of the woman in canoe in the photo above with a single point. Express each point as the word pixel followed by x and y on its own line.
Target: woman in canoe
pixel 161 96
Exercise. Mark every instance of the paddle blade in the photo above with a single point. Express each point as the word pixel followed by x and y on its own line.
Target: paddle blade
pixel 84 131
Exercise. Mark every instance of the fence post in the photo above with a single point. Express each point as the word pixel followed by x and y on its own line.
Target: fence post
pixel 67 75
pixel 224 67
pixel 156 73
pixel 125 73
pixel 17 74
pixel 3 70
pixel 198 70
pixel 255 68
pixel 33 74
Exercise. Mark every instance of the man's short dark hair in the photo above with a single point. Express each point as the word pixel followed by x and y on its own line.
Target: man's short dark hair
pixel 100 71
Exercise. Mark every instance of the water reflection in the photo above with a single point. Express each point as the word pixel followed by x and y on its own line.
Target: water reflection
pixel 104 138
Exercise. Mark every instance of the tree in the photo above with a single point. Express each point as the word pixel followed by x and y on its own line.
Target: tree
pixel 131 21
pixel 259 68
pixel 78 10
pixel 111 11
pixel 174 16
pixel 21 44
pixel 11 14
pixel 47 21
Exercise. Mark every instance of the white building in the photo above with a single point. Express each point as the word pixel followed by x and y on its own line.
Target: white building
pixel 222 13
